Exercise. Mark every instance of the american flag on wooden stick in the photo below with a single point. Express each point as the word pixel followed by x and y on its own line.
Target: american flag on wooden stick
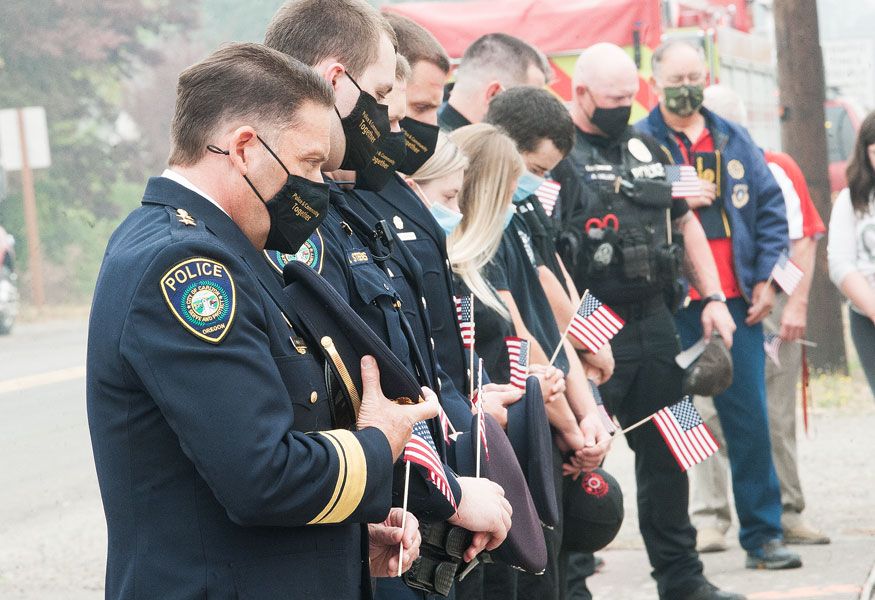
pixel 548 194
pixel 420 450
pixel 594 324
pixel 687 436
pixel 684 180
pixel 479 399
pixel 518 354
pixel 465 315
pixel 786 274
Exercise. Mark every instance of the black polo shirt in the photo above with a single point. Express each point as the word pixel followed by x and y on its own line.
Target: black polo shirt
pixel 450 119
pixel 514 268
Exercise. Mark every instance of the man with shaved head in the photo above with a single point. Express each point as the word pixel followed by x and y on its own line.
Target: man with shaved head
pixel 493 63
pixel 744 217
pixel 629 257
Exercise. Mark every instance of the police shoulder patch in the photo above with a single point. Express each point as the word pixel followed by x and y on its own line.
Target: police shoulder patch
pixel 200 293
pixel 310 253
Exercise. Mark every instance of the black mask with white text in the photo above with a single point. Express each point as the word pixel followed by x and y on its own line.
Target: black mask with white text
pixel 421 139
pixel 295 211
pixel 390 154
pixel 364 128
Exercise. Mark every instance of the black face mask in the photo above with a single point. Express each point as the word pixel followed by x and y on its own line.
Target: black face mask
pixel 390 154
pixel 612 121
pixel 421 139
pixel 363 129
pixel 296 210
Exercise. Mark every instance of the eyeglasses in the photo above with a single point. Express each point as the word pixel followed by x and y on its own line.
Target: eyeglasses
pixel 690 78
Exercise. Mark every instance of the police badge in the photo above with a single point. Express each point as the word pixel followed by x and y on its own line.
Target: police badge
pixel 200 293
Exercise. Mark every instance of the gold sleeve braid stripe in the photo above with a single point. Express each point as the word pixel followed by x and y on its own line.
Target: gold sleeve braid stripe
pixel 352 475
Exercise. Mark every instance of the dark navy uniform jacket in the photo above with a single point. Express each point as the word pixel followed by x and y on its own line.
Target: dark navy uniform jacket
pixel 350 267
pixel 422 246
pixel 220 473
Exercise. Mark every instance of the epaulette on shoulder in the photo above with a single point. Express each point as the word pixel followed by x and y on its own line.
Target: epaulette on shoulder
pixel 183 223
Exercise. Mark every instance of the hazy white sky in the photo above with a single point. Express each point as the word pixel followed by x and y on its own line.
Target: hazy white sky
pixel 846 18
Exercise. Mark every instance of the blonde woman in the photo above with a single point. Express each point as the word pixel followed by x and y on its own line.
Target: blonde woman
pixel 483 203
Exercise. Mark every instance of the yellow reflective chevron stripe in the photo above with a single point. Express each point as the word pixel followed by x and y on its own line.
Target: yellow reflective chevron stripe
pixel 352 475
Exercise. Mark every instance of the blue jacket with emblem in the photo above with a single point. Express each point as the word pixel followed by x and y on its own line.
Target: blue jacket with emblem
pixel 221 472
pixel 759 222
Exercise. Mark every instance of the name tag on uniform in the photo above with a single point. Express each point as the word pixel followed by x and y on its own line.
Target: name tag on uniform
pixel 357 257
pixel 406 236
pixel 600 172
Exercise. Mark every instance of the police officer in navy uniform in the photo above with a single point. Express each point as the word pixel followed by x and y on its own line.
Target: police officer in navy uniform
pixel 222 471
pixel 351 46
pixel 630 259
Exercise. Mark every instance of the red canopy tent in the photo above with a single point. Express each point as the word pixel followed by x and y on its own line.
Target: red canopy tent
pixel 560 28
pixel 554 26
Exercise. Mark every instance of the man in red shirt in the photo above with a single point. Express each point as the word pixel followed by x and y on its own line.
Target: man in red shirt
pixel 710 510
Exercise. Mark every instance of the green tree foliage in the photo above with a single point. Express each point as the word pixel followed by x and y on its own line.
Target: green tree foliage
pixel 71 58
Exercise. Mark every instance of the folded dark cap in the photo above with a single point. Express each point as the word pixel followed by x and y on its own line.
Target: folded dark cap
pixel 529 433
pixel 524 547
pixel 344 338
pixel 711 373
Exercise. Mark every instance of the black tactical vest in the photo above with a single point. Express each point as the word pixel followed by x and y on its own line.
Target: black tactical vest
pixel 627 253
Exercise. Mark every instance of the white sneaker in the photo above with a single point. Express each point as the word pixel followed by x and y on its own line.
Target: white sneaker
pixel 709 539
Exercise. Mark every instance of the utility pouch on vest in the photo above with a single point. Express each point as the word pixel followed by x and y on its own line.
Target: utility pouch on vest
pixel 651 193
pixel 635 254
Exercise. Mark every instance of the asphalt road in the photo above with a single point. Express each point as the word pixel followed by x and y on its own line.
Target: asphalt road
pixel 53 536
pixel 52 532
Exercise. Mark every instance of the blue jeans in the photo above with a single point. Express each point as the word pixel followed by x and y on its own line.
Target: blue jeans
pixel 743 416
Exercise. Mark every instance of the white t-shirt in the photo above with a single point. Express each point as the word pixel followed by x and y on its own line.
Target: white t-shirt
pixel 792 202
pixel 851 244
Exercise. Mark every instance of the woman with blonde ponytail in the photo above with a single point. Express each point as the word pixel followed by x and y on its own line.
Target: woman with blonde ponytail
pixel 471 200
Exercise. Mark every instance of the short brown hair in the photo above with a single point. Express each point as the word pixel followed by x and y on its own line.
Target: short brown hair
pixel 313 30
pixel 240 81
pixel 503 56
pixel 417 43
pixel 402 68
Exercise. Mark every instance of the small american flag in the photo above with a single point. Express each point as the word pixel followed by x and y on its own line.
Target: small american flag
pixel 604 417
pixel 518 353
pixel 445 424
pixel 772 346
pixel 465 315
pixel 687 436
pixel 787 274
pixel 594 324
pixel 478 403
pixel 684 180
pixel 420 450
pixel 548 194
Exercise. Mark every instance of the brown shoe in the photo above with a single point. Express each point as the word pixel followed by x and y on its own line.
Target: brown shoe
pixel 804 534
pixel 709 539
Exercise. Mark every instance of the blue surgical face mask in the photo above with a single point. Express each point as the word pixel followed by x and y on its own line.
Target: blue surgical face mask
pixel 526 186
pixel 448 219
pixel 511 211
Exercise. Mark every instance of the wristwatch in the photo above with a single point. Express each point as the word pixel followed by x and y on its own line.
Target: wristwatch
pixel 718 297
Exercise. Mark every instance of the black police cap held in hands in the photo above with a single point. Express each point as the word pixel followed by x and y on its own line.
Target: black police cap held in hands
pixel 364 127
pixel 421 139
pixel 296 210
